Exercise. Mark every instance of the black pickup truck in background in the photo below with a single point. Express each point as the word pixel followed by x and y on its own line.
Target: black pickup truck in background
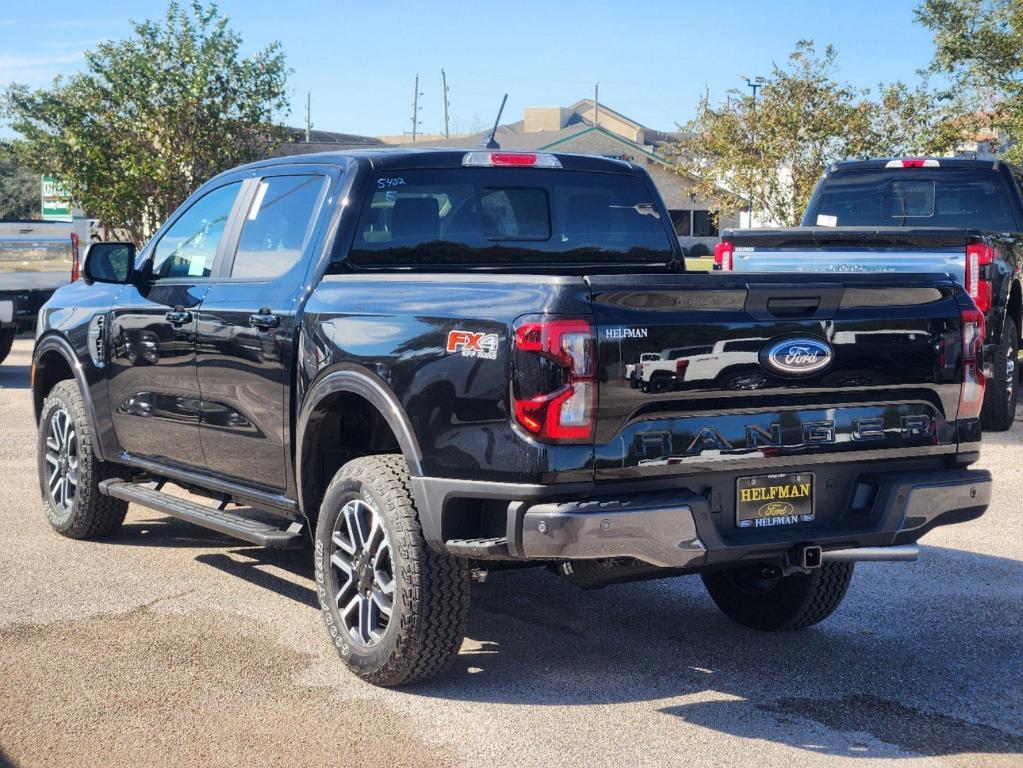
pixel 423 363
pixel 36 258
pixel 955 216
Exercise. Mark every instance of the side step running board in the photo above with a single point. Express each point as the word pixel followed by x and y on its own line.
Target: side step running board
pixel 488 549
pixel 228 523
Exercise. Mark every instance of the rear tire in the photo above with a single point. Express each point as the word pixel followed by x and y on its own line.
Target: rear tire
pixel 6 340
pixel 1003 388
pixel 371 556
pixel 70 472
pixel 796 601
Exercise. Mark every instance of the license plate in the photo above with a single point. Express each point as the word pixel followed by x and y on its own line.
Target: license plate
pixel 6 311
pixel 765 501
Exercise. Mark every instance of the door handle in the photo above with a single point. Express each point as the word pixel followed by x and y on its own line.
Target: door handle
pixel 178 316
pixel 264 320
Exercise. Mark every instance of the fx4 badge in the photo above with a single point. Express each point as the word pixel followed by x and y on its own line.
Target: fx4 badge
pixel 473 344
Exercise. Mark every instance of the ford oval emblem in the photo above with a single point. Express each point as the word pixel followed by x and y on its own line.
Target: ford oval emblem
pixel 797 357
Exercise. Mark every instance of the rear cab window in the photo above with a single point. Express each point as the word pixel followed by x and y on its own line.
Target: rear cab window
pixel 960 198
pixel 481 217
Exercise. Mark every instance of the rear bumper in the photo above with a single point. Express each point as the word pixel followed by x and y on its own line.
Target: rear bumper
pixel 676 528
pixel 19 309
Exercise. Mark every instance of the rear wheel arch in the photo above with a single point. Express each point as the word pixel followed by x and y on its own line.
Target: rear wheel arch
pixel 348 413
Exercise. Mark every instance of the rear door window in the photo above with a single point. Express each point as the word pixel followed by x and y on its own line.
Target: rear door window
pixel 508 216
pixel 278 225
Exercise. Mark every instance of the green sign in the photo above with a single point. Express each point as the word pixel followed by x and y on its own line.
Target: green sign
pixel 56 201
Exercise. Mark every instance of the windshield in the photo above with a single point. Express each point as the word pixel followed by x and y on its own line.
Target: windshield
pixel 508 216
pixel 924 197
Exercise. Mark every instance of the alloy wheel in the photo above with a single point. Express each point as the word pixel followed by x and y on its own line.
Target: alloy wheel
pixel 362 572
pixel 62 460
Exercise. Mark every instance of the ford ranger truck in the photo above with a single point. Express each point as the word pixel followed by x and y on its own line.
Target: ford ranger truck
pixel 956 216
pixel 415 362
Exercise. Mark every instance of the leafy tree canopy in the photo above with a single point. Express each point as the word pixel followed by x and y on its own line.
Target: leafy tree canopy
pixel 19 189
pixel 979 46
pixel 152 117
pixel 768 153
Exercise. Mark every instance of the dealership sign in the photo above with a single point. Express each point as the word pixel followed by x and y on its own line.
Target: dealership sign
pixel 56 201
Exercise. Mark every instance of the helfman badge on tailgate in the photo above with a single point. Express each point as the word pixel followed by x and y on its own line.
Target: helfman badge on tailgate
pixel 797 356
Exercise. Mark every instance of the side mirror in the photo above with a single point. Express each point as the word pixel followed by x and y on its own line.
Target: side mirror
pixel 109 263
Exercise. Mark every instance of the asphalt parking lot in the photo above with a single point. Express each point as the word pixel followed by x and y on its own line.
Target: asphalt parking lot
pixel 172 645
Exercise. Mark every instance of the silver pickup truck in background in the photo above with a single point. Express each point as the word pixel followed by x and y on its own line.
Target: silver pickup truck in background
pixel 36 258
pixel 960 217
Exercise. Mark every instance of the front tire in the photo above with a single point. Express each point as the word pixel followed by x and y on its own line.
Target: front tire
pixel 758 599
pixel 395 610
pixel 70 472
pixel 1003 388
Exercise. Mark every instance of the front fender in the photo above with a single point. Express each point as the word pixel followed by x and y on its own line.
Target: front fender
pixel 54 343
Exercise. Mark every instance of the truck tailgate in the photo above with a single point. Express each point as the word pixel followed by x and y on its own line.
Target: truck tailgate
pixel 852 249
pixel 874 370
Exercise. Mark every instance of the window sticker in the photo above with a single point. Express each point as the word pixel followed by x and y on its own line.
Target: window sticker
pixel 824 220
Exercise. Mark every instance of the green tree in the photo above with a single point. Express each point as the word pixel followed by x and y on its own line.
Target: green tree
pixel 979 47
pixel 19 189
pixel 768 153
pixel 152 117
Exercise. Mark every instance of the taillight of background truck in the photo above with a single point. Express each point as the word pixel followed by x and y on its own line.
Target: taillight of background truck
pixel 76 262
pixel 971 395
pixel 680 367
pixel 553 388
pixel 978 255
pixel 723 253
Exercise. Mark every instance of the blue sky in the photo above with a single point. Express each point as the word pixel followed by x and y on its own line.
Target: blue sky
pixel 653 59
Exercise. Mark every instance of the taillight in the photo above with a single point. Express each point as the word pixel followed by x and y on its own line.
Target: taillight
pixel 680 367
pixel 913 162
pixel 723 252
pixel 979 255
pixel 76 264
pixel 971 395
pixel 553 386
pixel 516 159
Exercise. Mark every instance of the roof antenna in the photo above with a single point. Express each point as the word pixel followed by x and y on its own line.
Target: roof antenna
pixel 491 142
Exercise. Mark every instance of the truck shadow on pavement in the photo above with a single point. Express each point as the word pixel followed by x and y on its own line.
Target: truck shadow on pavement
pixel 246 563
pixel 921 658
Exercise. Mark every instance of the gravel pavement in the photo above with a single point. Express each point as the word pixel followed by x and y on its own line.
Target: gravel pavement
pixel 172 645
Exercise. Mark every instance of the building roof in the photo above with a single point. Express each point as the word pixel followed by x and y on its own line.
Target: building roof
pixel 322 141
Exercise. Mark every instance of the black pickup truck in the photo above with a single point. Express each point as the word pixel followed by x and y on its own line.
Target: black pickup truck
pixel 962 217
pixel 419 361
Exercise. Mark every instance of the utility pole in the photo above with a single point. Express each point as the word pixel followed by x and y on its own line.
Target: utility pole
pixel 308 116
pixel 444 89
pixel 415 109
pixel 596 103
pixel 755 84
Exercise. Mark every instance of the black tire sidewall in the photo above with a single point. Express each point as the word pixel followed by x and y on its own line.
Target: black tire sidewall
pixel 6 342
pixel 999 410
pixel 362 659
